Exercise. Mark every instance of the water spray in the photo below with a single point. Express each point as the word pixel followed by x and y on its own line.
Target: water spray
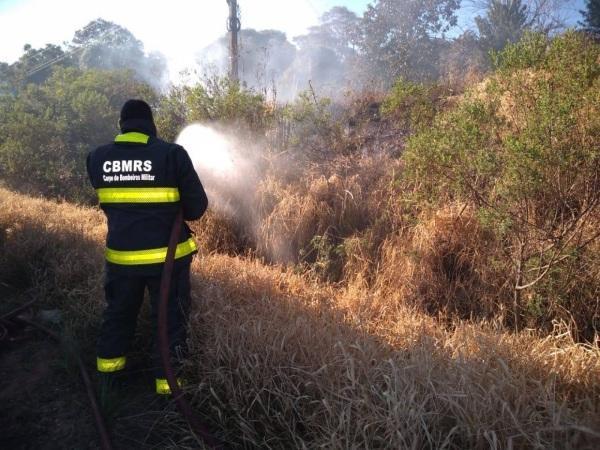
pixel 210 151
pixel 229 175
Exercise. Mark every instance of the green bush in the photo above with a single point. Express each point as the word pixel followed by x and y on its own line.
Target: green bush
pixel 309 128
pixel 47 130
pixel 530 51
pixel 523 151
pixel 215 100
pixel 413 105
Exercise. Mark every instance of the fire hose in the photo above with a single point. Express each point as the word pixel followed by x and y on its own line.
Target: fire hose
pixel 163 340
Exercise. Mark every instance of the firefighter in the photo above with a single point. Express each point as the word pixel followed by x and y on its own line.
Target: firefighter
pixel 142 182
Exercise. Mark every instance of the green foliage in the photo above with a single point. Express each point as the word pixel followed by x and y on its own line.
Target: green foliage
pixel 529 52
pixel 308 114
pixel 310 128
pixel 225 101
pixel 101 45
pixel 504 23
pixel 591 15
pixel 396 37
pixel 217 100
pixel 324 257
pixel 414 105
pixel 524 152
pixel 34 66
pixel 107 46
pixel 338 31
pixel 47 130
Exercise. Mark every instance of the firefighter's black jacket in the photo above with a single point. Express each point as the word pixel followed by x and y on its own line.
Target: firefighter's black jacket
pixel 141 183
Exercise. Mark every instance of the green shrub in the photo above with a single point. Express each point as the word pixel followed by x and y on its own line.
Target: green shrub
pixel 523 150
pixel 413 105
pixel 308 128
pixel 47 130
pixel 215 100
pixel 530 51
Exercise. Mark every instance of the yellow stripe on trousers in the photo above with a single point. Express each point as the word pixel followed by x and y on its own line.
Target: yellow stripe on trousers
pixel 151 256
pixel 111 365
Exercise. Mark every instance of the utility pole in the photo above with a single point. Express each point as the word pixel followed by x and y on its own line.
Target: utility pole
pixel 234 26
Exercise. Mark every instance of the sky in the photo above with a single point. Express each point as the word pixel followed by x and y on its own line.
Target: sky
pixel 176 28
pixel 569 11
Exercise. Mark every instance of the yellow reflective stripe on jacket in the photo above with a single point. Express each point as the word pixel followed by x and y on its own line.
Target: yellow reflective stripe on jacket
pixel 138 195
pixel 133 137
pixel 152 256
pixel 111 365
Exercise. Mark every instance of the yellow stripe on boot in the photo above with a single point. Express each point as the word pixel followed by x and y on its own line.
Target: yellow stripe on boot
pixel 162 386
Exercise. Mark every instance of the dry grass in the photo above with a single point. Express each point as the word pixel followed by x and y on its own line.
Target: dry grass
pixel 366 221
pixel 442 266
pixel 53 250
pixel 283 361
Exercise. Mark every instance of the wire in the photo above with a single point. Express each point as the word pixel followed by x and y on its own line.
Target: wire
pixel 47 64
pixel 66 55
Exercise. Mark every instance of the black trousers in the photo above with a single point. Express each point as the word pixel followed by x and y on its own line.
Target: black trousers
pixel 124 297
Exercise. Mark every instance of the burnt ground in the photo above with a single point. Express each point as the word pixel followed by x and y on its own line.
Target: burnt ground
pixel 43 402
pixel 43 406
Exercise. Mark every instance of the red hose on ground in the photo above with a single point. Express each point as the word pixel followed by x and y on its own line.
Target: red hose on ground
pixel 163 339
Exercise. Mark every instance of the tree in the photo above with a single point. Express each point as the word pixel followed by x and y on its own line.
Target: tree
pixel 34 66
pixel 504 23
pixel 105 45
pixel 264 57
pixel 542 16
pixel 47 129
pixel 337 31
pixel 5 78
pixel 326 54
pixel 591 15
pixel 400 38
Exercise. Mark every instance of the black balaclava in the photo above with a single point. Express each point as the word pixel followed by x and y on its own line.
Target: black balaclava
pixel 136 115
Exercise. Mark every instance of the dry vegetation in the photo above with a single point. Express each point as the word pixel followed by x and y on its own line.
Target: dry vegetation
pixel 486 207
pixel 419 271
pixel 282 360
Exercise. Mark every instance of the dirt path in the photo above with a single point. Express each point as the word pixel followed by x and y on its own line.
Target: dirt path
pixel 44 404
pixel 41 405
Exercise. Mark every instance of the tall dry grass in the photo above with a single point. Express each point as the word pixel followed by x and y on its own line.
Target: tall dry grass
pixel 357 222
pixel 442 265
pixel 486 215
pixel 282 360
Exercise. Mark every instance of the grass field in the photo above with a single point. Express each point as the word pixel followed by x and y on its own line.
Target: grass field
pixel 283 360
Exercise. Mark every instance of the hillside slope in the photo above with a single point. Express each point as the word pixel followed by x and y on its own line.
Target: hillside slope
pixel 281 361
